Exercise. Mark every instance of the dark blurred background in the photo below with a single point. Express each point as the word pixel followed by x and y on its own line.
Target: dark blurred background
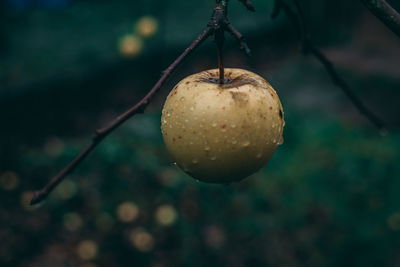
pixel 329 196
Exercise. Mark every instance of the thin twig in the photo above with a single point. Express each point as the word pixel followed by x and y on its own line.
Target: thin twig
pixel 221 22
pixel 385 13
pixel 307 47
pixel 248 4
pixel 235 33
pixel 103 132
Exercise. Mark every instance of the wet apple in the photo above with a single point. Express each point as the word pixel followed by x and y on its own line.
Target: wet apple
pixel 221 133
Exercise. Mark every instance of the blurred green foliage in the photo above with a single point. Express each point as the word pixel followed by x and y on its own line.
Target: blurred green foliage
pixel 47 43
pixel 329 197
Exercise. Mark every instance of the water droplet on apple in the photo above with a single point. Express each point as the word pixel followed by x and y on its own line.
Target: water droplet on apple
pixel 281 140
pixel 206 146
pixel 245 140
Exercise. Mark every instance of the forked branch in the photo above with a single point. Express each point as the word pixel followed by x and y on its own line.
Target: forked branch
pixel 307 47
pixel 218 24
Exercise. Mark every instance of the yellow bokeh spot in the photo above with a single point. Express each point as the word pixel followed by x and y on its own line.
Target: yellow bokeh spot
pixel 141 240
pixel 72 221
pixel 394 221
pixel 127 212
pixel 9 180
pixel 146 26
pixel 130 46
pixel 87 249
pixel 165 215
pixel 26 198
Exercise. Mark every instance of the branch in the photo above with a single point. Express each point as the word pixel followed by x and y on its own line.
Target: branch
pixel 236 34
pixel 103 132
pixel 218 25
pixel 248 4
pixel 307 47
pixel 385 13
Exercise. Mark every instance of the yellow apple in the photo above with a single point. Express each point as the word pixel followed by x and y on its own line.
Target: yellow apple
pixel 221 133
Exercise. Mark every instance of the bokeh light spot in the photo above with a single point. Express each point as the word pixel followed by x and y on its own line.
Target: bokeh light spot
pixel 142 240
pixel 9 180
pixel 166 215
pixel 87 249
pixel 127 212
pixel 25 200
pixel 146 26
pixel 130 46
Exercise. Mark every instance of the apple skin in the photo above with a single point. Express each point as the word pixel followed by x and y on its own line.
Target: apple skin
pixel 222 133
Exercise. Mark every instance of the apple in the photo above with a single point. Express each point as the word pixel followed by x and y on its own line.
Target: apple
pixel 222 133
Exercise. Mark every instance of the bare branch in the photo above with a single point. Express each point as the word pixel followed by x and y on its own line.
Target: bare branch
pixel 235 33
pixel 385 13
pixel 103 132
pixel 217 26
pixel 248 4
pixel 307 47
pixel 276 9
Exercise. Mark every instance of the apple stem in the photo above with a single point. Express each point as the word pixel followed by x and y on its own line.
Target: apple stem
pixel 221 67
pixel 220 23
pixel 219 39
